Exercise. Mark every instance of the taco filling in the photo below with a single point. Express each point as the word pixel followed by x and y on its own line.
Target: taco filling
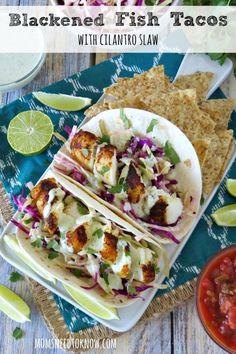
pixel 137 174
pixel 93 248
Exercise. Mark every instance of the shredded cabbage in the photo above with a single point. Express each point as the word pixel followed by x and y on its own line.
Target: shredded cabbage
pixel 20 226
pixel 165 233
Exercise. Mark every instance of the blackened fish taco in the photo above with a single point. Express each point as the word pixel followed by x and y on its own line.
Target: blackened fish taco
pixel 139 165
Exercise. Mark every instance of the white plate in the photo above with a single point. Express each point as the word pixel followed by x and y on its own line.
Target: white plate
pixel 129 315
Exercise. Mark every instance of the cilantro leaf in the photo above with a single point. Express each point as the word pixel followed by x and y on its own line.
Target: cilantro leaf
pixel 104 139
pixel 104 169
pixel 119 187
pixel 202 200
pixel 28 221
pixel 81 208
pixel 17 333
pixel 105 277
pixel 127 251
pixel 53 244
pixel 77 272
pixel 98 233
pixel 63 235
pixel 125 119
pixel 171 153
pixel 103 272
pixel 53 255
pixel 150 2
pixel 131 290
pixel 15 276
pixel 91 251
pixel 20 215
pixel 151 125
pixel 85 152
pixel 220 57
pixel 156 268
pixel 38 243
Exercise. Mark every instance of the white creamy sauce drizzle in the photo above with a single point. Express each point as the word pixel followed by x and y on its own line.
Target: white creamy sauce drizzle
pixel 69 218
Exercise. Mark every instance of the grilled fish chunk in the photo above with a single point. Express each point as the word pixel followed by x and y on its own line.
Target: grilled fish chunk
pixel 51 224
pixel 106 164
pixel 148 272
pixel 122 265
pixel 109 250
pixel 167 210
pixel 135 188
pixel 83 148
pixel 77 238
pixel 40 193
pixel 143 267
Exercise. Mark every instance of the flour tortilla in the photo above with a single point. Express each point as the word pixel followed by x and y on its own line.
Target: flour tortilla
pixel 188 171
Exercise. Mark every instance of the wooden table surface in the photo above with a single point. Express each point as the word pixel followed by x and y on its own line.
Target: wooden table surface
pixel 174 333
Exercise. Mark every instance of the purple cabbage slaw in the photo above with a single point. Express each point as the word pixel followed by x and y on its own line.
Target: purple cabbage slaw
pixel 108 197
pixel 109 2
pixel 20 201
pixel 69 169
pixel 20 226
pixel 137 143
pixel 165 233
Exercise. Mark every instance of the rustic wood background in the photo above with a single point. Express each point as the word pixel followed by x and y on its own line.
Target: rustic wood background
pixel 179 332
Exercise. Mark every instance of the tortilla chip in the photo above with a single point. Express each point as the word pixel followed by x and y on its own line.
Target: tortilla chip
pixel 200 81
pixel 179 107
pixel 226 142
pixel 128 102
pixel 206 124
pixel 201 146
pixel 147 81
pixel 219 110
pixel 216 159
pixel 211 166
pixel 96 109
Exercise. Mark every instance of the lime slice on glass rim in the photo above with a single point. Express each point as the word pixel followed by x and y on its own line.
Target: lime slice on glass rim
pixel 13 306
pixel 92 305
pixel 225 216
pixel 13 244
pixel 30 132
pixel 231 186
pixel 62 102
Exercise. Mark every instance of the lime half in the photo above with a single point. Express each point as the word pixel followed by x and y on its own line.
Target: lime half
pixel 62 102
pixel 30 132
pixel 225 216
pixel 231 186
pixel 12 243
pixel 92 305
pixel 13 306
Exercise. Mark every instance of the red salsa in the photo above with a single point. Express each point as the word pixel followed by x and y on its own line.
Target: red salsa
pixel 217 298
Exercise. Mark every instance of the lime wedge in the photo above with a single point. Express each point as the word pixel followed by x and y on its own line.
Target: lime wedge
pixel 231 186
pixel 12 243
pixel 30 132
pixel 225 216
pixel 62 102
pixel 13 306
pixel 92 305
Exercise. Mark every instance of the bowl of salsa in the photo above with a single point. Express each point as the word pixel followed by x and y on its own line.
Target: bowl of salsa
pixel 216 298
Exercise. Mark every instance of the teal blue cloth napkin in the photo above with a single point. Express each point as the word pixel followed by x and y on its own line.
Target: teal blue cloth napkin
pixel 16 170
